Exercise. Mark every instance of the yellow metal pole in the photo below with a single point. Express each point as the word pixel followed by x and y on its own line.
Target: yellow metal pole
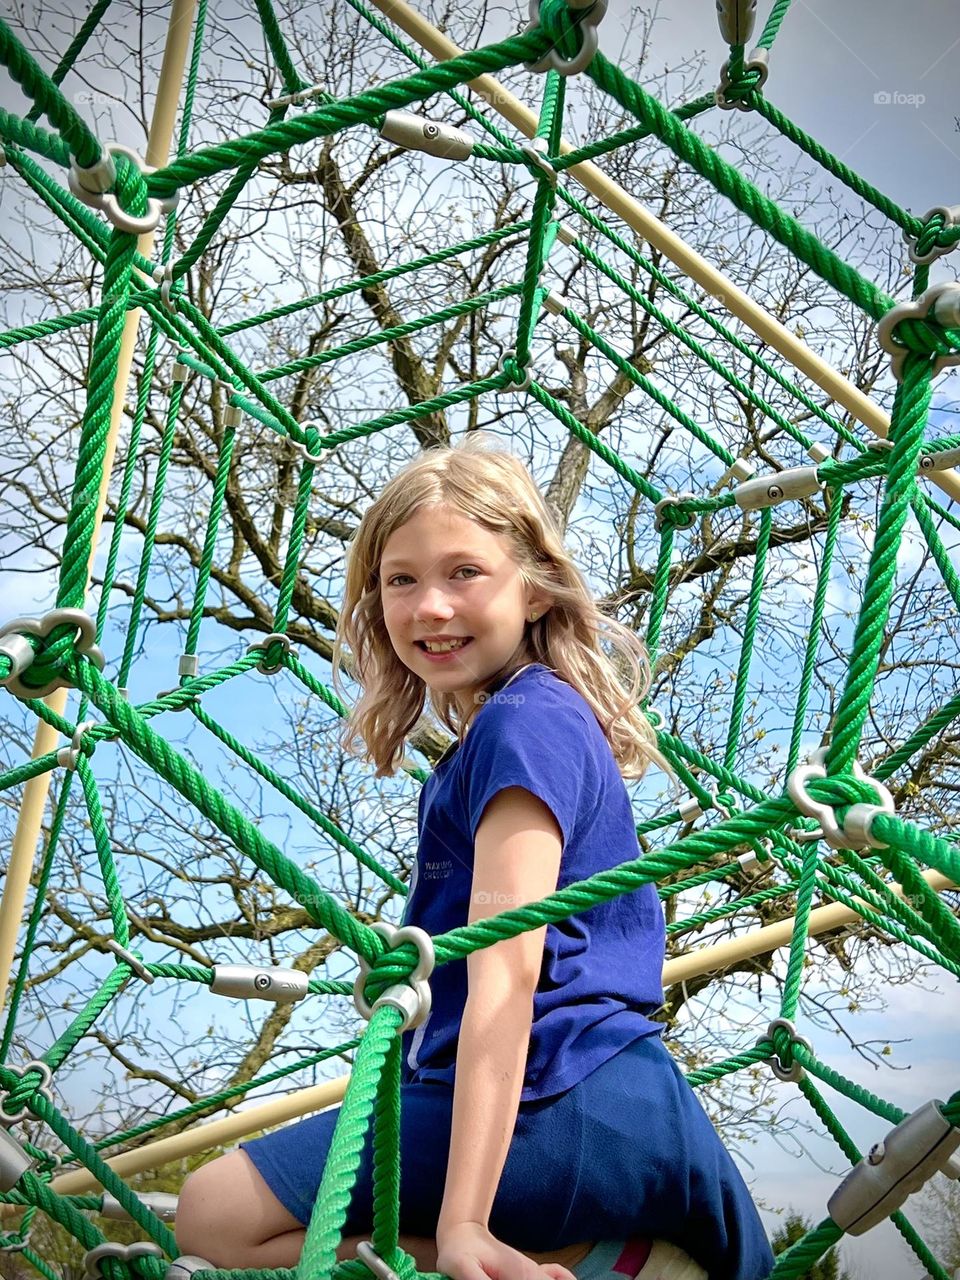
pixel 641 220
pixel 35 792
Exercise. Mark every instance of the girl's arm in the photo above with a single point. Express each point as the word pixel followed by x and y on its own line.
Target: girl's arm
pixel 516 860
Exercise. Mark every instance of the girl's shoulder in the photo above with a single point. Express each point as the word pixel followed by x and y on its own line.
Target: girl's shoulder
pixel 535 700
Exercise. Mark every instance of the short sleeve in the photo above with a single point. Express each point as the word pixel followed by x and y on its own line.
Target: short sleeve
pixel 542 744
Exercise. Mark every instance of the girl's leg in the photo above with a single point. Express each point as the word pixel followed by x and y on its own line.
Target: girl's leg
pixel 229 1216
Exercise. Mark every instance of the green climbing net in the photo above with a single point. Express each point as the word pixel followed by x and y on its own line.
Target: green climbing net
pixel 831 834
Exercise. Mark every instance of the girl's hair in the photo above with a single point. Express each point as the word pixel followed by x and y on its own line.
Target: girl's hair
pixel 494 488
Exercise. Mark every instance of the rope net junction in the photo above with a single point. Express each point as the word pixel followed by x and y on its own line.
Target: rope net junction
pixel 829 835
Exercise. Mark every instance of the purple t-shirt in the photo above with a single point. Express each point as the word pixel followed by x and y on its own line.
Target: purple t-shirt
pixel 601 973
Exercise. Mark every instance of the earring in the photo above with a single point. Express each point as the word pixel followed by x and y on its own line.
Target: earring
pixel 534 617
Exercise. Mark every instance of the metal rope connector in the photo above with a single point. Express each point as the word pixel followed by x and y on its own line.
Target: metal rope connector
pixel 12 644
pixel 950 213
pixel 757 63
pixel 8 1118
pixel 789 1071
pixel 736 19
pixel 941 302
pixel 14 1163
pixel 250 982
pixel 783 486
pixel 855 832
pixel 161 1203
pixel 274 638
pixel 366 1253
pixel 92 187
pixel 511 355
pixel 589 41
pixel 413 998
pixel 93 1258
pixel 68 757
pixel 435 137
pixel 920 1146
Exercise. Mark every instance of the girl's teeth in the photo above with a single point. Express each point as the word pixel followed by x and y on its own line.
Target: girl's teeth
pixel 444 648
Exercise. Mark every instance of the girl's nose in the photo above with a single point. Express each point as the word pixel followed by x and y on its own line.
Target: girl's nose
pixel 432 603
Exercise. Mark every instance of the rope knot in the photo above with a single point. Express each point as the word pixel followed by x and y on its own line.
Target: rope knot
pixel 22 1089
pixel 40 649
pixel 927 326
pixel 409 989
pixel 572 31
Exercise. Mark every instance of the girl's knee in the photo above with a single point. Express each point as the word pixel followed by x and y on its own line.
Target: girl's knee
pixel 224 1205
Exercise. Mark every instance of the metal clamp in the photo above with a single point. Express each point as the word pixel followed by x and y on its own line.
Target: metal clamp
pixel 436 138
pixel 783 486
pixel 758 63
pixel 589 41
pixel 250 982
pixel 122 1252
pixel 414 997
pixel 941 299
pixel 161 1203
pixel 366 1253
pixel 919 1146
pixel 92 187
pixel 950 213
pixel 14 1163
pixel 68 756
pixel 793 1073
pixel 128 958
pixel 510 354
pixel 736 19
pixel 41 628
pixel 303 448
pixel 941 461
pixel 535 152
pixel 673 500
pixel 275 637
pixel 855 832
pixel 16 1246
pixel 183 1268
pixel 8 1118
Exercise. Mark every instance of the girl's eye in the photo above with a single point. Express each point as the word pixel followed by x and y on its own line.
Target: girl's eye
pixel 469 568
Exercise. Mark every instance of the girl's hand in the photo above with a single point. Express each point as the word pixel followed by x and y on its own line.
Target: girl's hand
pixel 468 1251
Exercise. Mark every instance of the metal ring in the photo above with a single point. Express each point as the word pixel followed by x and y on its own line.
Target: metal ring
pixel 8 1118
pixel 41 629
pixel 510 354
pixel 917 309
pixel 122 1252
pixel 131 960
pixel 106 201
pixel 417 982
pixel 275 637
pixel 794 1073
pixel 69 756
pixel 587 26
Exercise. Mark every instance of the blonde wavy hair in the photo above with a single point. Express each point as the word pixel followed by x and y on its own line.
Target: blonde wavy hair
pixel 494 488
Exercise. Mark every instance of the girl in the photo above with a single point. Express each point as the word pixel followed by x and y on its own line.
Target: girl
pixel 544 1126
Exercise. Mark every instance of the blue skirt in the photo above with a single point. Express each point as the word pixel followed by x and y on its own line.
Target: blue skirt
pixel 627 1151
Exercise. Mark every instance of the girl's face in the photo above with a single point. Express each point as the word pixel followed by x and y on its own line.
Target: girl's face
pixel 443 576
